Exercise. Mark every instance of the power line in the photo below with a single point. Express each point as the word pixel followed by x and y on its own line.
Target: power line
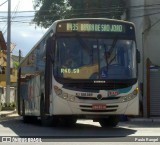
pixel 95 9
pixel 97 12
pixel 145 15
pixel 4 17
pixel 102 13
pixel 4 3
pixel 20 21
pixel 82 14
pixel 50 15
pixel 17 21
pixel 112 7
pixel 151 5
pixel 15 11
pixel 22 11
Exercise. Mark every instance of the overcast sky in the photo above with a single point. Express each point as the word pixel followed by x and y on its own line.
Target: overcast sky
pixel 24 34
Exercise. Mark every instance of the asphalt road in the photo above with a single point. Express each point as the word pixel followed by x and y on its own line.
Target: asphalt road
pixel 83 131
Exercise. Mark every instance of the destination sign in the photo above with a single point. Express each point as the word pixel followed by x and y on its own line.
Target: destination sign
pixel 90 27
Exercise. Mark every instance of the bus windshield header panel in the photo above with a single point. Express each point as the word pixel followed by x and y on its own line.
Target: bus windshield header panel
pixel 100 26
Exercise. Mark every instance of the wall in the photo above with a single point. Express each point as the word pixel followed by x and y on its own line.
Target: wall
pixel 136 12
pixel 152 32
pixel 135 15
pixel 13 70
pixel 12 95
pixel 146 16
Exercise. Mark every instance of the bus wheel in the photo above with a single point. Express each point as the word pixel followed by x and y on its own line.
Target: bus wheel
pixel 26 118
pixel 111 121
pixel 45 119
pixel 67 121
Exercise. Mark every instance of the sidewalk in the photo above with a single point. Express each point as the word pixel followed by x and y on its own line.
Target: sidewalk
pixel 143 119
pixel 125 118
pixel 7 113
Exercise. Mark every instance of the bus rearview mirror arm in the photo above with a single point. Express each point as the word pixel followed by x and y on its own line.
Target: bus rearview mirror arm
pixel 138 56
pixel 50 47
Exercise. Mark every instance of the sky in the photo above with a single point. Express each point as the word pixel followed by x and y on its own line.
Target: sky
pixel 24 34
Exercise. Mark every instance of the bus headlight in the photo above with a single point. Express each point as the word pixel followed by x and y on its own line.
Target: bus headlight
pixel 124 99
pixel 63 95
pixel 129 96
pixel 58 91
pixel 71 98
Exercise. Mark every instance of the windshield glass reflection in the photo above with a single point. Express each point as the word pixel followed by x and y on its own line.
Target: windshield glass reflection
pixel 89 58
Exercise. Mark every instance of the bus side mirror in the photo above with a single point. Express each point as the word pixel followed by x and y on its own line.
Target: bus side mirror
pixel 138 56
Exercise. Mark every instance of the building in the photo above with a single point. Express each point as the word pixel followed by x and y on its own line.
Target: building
pixel 13 70
pixel 3 63
pixel 3 49
pixel 146 16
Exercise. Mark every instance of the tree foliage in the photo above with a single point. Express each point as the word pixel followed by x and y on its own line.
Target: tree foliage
pixel 51 10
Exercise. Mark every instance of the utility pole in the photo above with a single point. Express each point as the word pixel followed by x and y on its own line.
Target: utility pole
pixel 8 53
pixel 19 56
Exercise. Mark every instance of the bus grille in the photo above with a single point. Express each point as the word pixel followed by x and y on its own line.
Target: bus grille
pixel 95 98
pixel 88 108
pixel 94 87
pixel 91 85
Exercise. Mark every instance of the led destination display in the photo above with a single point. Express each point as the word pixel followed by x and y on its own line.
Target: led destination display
pixel 90 27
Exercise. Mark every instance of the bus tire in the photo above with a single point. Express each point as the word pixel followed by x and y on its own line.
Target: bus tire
pixel 45 119
pixel 26 118
pixel 67 121
pixel 111 121
pixel 30 119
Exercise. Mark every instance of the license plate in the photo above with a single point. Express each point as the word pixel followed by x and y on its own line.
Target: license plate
pixel 99 106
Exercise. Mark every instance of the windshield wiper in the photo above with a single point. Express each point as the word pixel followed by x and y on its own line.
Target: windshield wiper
pixel 111 50
pixel 113 45
pixel 82 43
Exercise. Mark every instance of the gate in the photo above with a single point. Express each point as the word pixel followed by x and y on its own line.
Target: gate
pixel 154 91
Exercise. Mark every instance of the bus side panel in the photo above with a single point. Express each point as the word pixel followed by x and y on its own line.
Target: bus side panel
pixel 22 93
pixel 36 95
pixel 30 88
pixel 33 99
pixel 18 91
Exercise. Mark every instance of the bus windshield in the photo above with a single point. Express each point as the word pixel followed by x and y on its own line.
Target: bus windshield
pixel 95 58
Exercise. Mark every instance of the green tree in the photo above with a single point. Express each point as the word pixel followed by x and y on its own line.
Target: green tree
pixel 15 64
pixel 51 10
pixel 98 8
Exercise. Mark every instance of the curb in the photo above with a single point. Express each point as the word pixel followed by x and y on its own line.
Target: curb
pixel 144 119
pixel 7 114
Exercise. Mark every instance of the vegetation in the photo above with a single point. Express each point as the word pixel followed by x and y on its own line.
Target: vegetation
pixel 15 64
pixel 10 106
pixel 51 10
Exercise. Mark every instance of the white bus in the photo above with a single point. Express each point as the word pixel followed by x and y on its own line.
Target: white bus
pixel 81 69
